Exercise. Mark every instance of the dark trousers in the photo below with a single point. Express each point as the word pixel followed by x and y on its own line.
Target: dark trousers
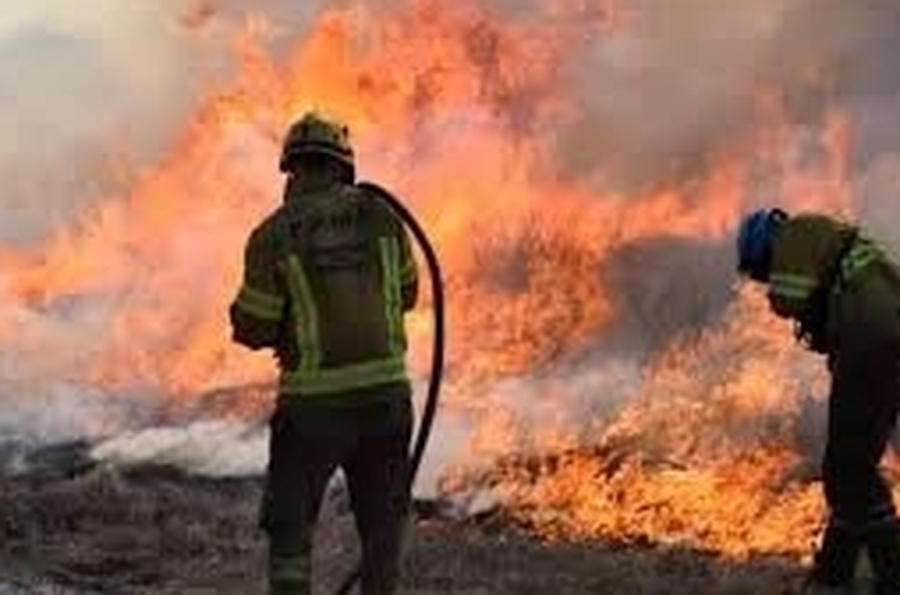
pixel 862 414
pixel 367 434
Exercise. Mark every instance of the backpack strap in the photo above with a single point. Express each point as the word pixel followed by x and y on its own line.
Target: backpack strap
pixel 812 325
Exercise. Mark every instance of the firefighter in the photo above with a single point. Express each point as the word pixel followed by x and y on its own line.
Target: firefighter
pixel 843 294
pixel 327 279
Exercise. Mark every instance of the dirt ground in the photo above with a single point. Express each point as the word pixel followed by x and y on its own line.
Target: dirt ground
pixel 157 530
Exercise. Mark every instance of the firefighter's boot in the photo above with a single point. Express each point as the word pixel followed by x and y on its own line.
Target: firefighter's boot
pixel 884 552
pixel 835 562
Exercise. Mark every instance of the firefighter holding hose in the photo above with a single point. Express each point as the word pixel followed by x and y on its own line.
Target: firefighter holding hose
pixel 844 295
pixel 327 279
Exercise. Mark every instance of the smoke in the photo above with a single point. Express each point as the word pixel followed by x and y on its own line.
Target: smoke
pixel 878 190
pixel 92 98
pixel 683 81
pixel 74 98
pixel 675 84
pixel 210 448
pixel 657 295
pixel 51 86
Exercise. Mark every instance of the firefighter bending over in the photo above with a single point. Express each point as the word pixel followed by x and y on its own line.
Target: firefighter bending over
pixel 844 296
pixel 327 279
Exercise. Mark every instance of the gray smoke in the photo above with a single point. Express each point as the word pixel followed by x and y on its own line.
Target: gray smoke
pixel 88 103
pixel 683 81
pixel 53 88
pixel 69 115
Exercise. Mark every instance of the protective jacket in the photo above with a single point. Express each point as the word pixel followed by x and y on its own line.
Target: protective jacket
pixel 820 270
pixel 327 278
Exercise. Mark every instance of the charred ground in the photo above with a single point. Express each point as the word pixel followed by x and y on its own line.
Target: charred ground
pixel 68 526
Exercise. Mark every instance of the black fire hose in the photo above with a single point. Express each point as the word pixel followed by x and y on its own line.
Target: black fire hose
pixel 437 349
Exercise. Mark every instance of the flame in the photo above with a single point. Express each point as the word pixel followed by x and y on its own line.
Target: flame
pixel 709 454
pixel 457 109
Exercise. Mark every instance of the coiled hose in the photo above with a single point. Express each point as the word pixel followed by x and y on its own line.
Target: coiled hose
pixel 437 348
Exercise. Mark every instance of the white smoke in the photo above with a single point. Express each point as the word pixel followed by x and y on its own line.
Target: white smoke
pixel 78 93
pixel 92 97
pixel 210 448
pixel 878 190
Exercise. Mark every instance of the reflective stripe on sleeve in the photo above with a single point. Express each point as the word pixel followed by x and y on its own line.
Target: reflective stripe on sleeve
pixel 791 285
pixel 259 303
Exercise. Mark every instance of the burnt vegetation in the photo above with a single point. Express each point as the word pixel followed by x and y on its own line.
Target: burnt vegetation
pixel 89 528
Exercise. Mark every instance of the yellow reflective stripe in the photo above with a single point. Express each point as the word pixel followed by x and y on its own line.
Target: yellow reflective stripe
pixel 306 316
pixel 794 280
pixel 860 256
pixel 393 304
pixel 259 303
pixel 792 285
pixel 794 294
pixel 790 292
pixel 341 378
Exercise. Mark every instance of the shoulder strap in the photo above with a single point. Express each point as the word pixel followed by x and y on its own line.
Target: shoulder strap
pixel 811 326
pixel 832 277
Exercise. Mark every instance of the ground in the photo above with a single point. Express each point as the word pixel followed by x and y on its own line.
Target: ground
pixel 156 530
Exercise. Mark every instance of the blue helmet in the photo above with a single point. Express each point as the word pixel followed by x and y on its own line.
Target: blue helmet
pixel 754 242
